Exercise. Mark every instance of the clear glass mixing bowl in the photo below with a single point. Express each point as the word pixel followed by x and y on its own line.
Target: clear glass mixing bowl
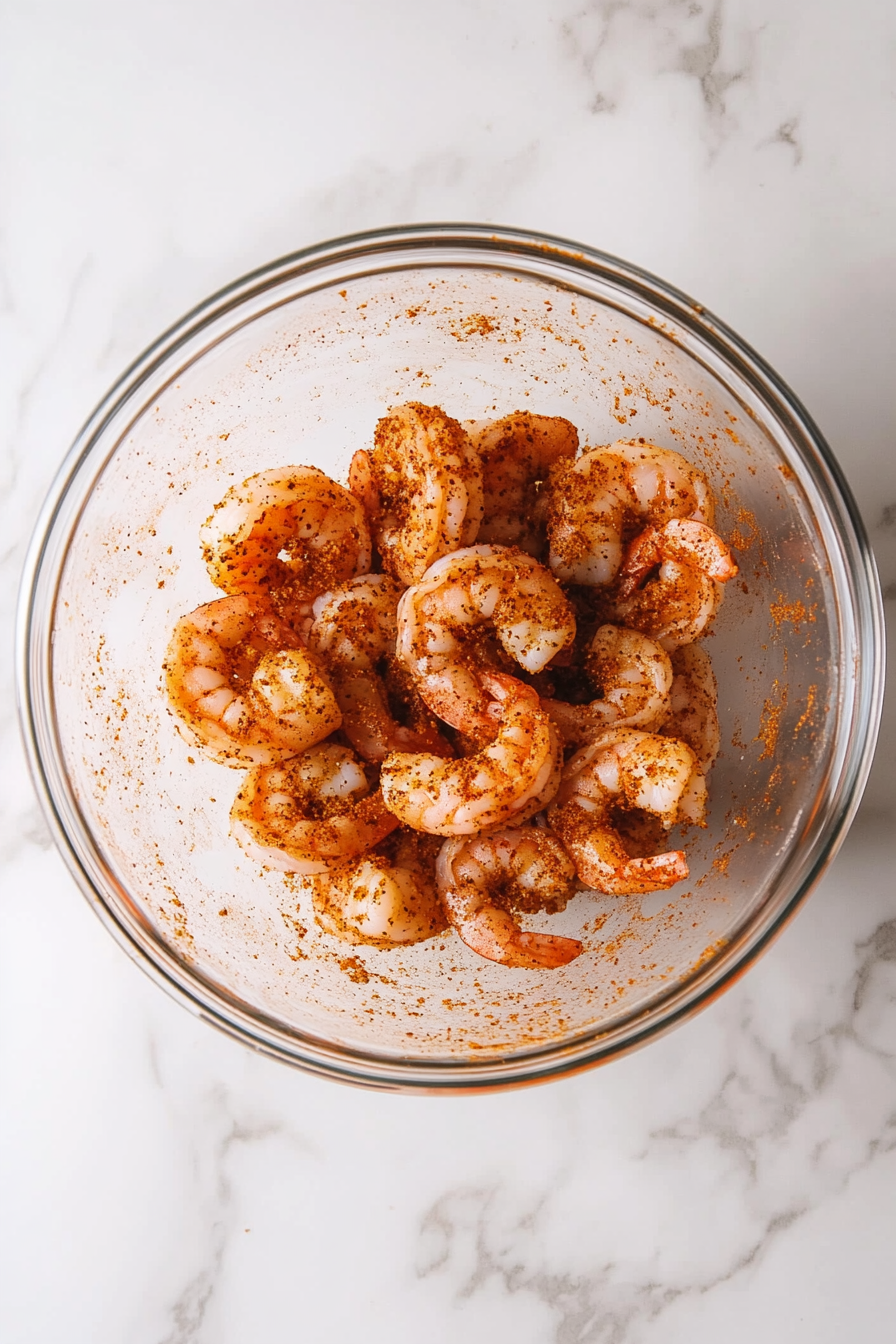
pixel 296 363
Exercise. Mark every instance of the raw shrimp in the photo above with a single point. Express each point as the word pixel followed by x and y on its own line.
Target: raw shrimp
pixel 421 485
pixel 593 502
pixel 516 453
pixel 353 632
pixel 629 769
pixel 388 897
pixel 693 717
pixel 634 675
pixel 288 534
pixel 675 602
pixel 509 781
pixel 244 691
pixel 481 880
pixel 311 813
pixel 442 620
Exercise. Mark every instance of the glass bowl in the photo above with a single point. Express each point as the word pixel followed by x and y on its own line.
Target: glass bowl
pixel 295 363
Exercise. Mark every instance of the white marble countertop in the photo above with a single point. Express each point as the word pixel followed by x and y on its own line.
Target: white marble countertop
pixel 163 1185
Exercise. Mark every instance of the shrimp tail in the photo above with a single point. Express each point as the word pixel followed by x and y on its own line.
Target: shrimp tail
pixel 362 485
pixel 494 934
pixel 642 555
pixel 636 876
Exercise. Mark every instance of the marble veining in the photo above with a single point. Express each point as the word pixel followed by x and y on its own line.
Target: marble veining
pixel 679 37
pixel 765 1134
pixel 164 1185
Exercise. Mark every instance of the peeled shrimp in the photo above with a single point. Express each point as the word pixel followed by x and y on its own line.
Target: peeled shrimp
pixel 516 453
pixel 354 630
pixel 676 602
pixel 512 866
pixel 693 717
pixel 442 619
pixel 421 485
pixel 388 897
pixel 591 502
pixel 634 675
pixel 241 696
pixel 630 769
pixel 311 813
pixel 288 534
pixel 509 781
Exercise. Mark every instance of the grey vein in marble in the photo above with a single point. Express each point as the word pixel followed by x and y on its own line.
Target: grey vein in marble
pixel 615 43
pixel 786 134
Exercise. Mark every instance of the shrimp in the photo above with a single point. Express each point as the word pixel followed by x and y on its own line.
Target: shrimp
pixel 693 717
pixel 675 603
pixel 441 620
pixel 388 897
pixel 288 534
pixel 483 879
pixel 241 696
pixel 629 769
pixel 592 502
pixel 421 485
pixel 509 781
pixel 309 814
pixel 516 453
pixel 353 632
pixel 634 675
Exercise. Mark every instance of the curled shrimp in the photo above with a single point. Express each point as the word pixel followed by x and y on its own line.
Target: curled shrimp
pixel 354 632
pixel 593 502
pixel 443 618
pixel 311 813
pixel 516 454
pixel 634 675
pixel 626 768
pixel 693 717
pixel 288 534
pixel 508 781
pixel 421 485
pixel 483 879
pixel 385 898
pixel 244 691
pixel 670 582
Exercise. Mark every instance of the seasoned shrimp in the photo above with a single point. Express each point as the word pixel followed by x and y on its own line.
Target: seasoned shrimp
pixel 244 691
pixel 421 485
pixel 388 897
pixel 675 602
pixel 693 717
pixel 593 502
pixel 483 879
pixel 311 813
pixel 516 453
pixel 509 781
pixel 629 769
pixel 288 534
pixel 442 620
pixel 353 632
pixel 634 675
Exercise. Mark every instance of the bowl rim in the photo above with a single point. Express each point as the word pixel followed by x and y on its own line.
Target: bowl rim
pixel 466 1073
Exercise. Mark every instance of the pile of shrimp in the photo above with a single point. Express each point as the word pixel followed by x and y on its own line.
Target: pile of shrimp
pixel 467 685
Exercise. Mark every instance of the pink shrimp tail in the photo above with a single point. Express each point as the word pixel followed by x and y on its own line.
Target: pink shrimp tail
pixel 637 876
pixel 493 934
pixel 362 484
pixel 642 555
